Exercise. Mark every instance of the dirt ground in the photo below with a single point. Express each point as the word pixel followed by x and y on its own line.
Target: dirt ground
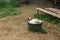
pixel 15 27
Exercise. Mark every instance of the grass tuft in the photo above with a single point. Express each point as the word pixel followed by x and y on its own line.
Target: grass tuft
pixel 42 30
pixel 48 18
pixel 4 12
pixel 9 8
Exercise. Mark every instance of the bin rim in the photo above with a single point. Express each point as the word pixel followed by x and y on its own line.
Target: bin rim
pixel 34 20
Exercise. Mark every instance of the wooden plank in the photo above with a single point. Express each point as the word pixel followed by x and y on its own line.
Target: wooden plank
pixel 57 11
pixel 48 12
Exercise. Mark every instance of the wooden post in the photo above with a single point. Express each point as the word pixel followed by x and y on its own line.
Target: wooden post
pixel 38 11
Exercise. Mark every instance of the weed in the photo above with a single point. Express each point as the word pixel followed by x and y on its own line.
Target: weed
pixel 42 30
pixel 8 12
pixel 13 3
pixel 48 18
pixel 8 8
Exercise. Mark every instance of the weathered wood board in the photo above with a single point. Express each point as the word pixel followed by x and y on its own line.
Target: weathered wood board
pixel 57 11
pixel 48 12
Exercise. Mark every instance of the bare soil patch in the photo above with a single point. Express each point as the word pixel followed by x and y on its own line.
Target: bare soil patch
pixel 15 27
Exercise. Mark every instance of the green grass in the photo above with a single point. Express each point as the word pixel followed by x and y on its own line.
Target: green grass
pixel 42 30
pixel 4 12
pixel 48 18
pixel 9 8
pixel 13 3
